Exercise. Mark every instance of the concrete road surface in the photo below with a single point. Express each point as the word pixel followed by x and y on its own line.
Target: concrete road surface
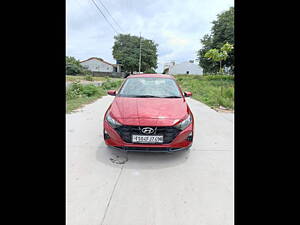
pixel 108 187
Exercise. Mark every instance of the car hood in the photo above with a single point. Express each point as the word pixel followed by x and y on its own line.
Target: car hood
pixel 148 111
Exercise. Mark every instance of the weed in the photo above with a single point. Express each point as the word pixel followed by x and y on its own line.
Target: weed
pixel 213 90
pixel 78 95
pixel 89 78
pixel 90 90
pixel 75 90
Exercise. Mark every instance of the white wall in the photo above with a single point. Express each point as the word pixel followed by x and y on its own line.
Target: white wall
pixel 97 66
pixel 182 68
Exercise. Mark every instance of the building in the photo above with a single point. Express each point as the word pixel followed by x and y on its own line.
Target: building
pixel 183 68
pixel 169 64
pixel 99 65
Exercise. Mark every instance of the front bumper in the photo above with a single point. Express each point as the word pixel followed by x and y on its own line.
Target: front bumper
pixel 180 142
pixel 152 149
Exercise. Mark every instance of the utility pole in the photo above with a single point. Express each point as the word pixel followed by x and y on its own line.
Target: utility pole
pixel 140 55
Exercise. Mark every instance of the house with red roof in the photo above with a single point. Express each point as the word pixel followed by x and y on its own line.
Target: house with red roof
pixel 95 64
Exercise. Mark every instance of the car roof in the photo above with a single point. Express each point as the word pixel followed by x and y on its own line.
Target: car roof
pixel 151 75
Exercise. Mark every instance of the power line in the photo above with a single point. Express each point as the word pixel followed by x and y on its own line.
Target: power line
pixel 99 10
pixel 80 7
pixel 110 15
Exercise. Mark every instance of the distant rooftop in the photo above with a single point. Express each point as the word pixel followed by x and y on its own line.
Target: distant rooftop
pixel 100 59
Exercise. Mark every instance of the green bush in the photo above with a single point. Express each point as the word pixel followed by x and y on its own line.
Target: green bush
pixel 86 72
pixel 78 90
pixel 111 85
pixel 75 90
pixel 71 94
pixel 88 78
pixel 73 69
pixel 229 92
pixel 78 95
pixel 90 90
pixel 73 66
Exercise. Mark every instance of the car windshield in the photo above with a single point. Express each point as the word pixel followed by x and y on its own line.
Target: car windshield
pixel 150 87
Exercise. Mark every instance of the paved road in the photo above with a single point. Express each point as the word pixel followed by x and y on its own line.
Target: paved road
pixel 107 187
pixel 228 116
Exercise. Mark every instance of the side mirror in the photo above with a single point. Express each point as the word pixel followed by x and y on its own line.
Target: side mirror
pixel 112 92
pixel 187 94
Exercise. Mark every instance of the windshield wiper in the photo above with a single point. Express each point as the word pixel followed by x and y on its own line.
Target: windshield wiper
pixel 151 96
pixel 173 96
pixel 144 96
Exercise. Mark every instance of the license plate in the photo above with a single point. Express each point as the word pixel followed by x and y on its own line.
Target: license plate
pixel 147 139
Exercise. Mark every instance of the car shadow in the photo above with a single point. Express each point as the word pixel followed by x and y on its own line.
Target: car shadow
pixel 140 160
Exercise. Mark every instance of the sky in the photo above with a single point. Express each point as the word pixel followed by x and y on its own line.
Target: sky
pixel 175 25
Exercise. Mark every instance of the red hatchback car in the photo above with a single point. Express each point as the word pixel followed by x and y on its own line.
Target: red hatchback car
pixel 149 113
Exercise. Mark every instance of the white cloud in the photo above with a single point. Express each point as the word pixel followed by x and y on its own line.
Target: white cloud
pixel 176 26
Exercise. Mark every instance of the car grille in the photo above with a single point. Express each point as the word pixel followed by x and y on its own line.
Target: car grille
pixel 126 132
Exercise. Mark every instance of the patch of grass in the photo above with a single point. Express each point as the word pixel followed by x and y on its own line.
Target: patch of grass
pixel 213 90
pixel 75 78
pixel 111 83
pixel 89 78
pixel 79 95
pixel 76 103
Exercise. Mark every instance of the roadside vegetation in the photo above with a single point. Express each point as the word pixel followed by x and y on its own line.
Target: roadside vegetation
pixel 78 95
pixel 73 67
pixel 216 91
pixel 222 32
pixel 83 78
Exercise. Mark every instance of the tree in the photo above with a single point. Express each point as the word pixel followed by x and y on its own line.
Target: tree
pixel 219 55
pixel 222 32
pixel 73 66
pixel 126 51
pixel 149 71
pixel 208 66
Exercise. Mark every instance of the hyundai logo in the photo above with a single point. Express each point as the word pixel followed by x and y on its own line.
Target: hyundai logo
pixel 148 130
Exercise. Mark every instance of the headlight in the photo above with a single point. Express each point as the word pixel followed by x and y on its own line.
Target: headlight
pixel 111 121
pixel 184 124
